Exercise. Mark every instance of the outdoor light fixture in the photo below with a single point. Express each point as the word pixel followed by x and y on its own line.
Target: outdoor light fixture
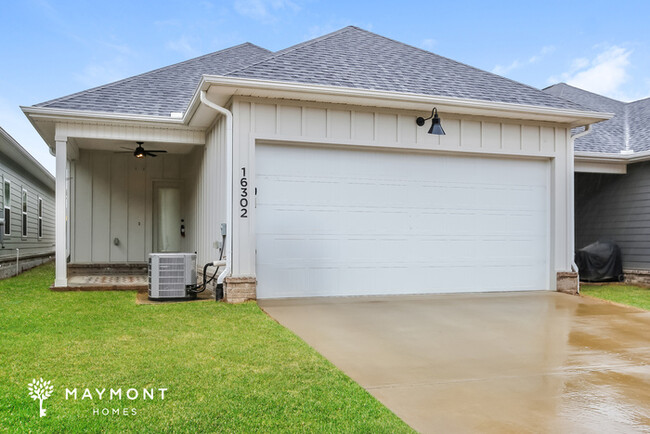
pixel 436 127
pixel 139 152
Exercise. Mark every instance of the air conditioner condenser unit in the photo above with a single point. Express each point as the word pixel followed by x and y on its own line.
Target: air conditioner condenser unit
pixel 170 275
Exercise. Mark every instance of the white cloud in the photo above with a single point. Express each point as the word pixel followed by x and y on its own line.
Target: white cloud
pixel 516 64
pixel 428 43
pixel 605 74
pixel 264 10
pixel 18 127
pixel 183 45
pixel 97 74
pixel 116 63
pixel 333 25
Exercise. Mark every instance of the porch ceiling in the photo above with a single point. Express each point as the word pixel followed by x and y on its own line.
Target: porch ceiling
pixel 116 145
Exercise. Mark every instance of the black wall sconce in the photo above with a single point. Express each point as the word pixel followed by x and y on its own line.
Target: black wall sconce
pixel 436 127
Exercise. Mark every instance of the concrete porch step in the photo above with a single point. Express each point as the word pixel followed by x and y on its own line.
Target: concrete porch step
pixel 106 282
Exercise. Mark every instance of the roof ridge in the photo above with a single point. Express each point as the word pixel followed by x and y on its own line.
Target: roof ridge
pixel 295 47
pixel 585 91
pixel 431 53
pixel 639 100
pixel 133 77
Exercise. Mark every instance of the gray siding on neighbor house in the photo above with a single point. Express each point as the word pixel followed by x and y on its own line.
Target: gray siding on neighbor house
pixel 20 179
pixel 617 208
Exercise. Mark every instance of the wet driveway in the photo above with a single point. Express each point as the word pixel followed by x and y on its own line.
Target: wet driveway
pixel 506 362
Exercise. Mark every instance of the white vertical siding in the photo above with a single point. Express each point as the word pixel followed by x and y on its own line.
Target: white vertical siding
pixel 101 207
pixel 321 124
pixel 119 206
pixel 113 199
pixel 139 198
pixel 208 194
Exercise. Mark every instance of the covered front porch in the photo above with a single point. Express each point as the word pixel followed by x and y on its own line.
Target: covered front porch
pixel 114 208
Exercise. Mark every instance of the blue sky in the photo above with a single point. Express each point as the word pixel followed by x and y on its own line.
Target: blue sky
pixel 52 48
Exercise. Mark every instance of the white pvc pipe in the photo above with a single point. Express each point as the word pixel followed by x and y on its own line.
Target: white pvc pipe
pixel 228 114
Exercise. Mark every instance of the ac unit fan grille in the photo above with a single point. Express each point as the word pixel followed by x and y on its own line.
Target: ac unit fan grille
pixel 172 276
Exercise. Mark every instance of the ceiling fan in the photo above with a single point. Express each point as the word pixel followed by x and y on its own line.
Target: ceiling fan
pixel 140 152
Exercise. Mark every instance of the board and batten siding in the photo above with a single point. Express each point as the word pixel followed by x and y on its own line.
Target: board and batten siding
pixel 313 124
pixel 113 198
pixel 209 192
pixel 21 180
pixel 616 208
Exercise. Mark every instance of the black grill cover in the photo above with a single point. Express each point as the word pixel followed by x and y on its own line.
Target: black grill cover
pixel 600 262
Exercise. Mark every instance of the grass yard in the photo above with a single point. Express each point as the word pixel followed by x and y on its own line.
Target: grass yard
pixel 630 295
pixel 226 368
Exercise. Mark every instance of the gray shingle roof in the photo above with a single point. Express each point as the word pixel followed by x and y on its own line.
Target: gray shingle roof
pixel 350 57
pixel 162 91
pixel 355 58
pixel 630 125
pixel 638 117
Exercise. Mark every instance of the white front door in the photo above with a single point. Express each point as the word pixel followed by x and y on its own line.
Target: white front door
pixel 332 222
pixel 167 224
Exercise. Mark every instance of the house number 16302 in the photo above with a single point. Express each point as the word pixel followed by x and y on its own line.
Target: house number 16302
pixel 243 198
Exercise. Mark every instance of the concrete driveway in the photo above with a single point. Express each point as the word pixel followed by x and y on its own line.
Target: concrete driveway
pixel 506 362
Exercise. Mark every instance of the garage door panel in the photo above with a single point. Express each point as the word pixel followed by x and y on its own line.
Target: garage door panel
pixel 351 222
pixel 300 220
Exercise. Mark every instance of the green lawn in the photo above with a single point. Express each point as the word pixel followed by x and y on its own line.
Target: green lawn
pixel 630 295
pixel 226 368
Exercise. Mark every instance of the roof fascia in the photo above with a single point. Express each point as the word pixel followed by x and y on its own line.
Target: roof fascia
pixel 603 157
pixel 335 94
pixel 22 157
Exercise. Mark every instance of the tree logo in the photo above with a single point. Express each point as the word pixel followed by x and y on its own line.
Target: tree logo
pixel 40 390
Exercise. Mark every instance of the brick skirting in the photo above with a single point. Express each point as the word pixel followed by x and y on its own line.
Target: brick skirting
pixel 240 289
pixel 567 282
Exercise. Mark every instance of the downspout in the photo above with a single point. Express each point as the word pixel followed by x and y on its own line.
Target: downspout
pixel 229 145
pixel 571 199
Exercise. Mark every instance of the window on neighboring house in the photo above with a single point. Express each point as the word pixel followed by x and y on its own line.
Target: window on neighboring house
pixel 24 213
pixel 2 196
pixel 7 206
pixel 40 217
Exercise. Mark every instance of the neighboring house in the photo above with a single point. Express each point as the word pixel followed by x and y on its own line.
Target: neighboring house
pixel 612 180
pixel 27 206
pixel 312 159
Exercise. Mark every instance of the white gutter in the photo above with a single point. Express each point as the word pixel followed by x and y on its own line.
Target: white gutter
pixel 57 114
pixel 603 157
pixel 571 200
pixel 228 114
pixel 346 95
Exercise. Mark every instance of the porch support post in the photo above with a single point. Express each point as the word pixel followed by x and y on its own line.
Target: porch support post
pixel 61 278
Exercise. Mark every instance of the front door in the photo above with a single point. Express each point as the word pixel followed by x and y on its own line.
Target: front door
pixel 167 217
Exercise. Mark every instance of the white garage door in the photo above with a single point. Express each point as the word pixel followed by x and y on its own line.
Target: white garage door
pixel 333 222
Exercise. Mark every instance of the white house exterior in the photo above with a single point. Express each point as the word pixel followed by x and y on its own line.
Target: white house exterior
pixel 312 158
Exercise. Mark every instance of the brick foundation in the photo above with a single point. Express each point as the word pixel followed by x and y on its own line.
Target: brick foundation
pixel 8 267
pixel 637 277
pixel 240 289
pixel 567 282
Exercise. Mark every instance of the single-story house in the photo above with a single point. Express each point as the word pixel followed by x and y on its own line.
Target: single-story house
pixel 311 161
pixel 612 180
pixel 27 209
